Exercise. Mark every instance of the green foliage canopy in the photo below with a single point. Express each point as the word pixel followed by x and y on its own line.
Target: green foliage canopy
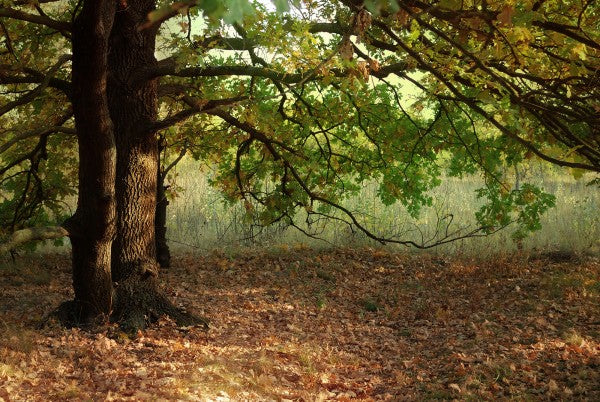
pixel 299 104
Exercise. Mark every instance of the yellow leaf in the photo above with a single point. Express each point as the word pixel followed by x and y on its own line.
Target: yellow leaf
pixel 580 51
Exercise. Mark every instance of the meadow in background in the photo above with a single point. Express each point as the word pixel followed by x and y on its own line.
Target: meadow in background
pixel 199 218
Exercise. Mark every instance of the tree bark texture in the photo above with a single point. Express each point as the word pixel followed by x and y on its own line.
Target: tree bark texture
pixel 92 227
pixel 113 229
pixel 133 110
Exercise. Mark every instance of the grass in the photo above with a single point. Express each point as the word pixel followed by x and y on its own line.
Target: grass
pixel 23 272
pixel 370 305
pixel 200 219
pixel 572 337
pixel 571 283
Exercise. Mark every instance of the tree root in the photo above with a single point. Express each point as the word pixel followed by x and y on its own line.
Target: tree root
pixel 138 302
pixel 70 314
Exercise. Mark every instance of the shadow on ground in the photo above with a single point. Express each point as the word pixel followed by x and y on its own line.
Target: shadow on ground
pixel 299 324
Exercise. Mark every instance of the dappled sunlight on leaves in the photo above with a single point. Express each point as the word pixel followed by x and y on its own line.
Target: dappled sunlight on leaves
pixel 301 324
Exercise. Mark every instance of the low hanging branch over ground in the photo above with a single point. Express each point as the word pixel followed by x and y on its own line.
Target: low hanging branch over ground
pixel 31 234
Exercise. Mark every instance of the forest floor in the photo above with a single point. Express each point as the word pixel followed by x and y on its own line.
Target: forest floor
pixel 306 325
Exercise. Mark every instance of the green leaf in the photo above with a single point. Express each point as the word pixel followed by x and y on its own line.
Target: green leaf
pixel 451 4
pixel 281 6
pixel 237 9
pixel 577 173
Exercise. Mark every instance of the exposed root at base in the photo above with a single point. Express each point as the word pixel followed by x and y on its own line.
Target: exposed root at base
pixel 71 314
pixel 138 302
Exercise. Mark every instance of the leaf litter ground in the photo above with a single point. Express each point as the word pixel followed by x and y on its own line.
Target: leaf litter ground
pixel 306 325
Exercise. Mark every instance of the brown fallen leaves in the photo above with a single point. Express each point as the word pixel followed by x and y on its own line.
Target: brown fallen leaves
pixel 297 324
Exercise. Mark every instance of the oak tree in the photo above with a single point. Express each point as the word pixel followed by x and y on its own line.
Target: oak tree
pixel 298 105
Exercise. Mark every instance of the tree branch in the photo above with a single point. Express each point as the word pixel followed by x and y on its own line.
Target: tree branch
pixel 28 97
pixel 32 234
pixel 28 2
pixel 196 106
pixel 567 31
pixel 60 26
pixel 9 45
pixel 35 77
pixel 167 169
pixel 169 67
pixel 167 13
pixel 38 132
pixel 472 104
pixel 260 136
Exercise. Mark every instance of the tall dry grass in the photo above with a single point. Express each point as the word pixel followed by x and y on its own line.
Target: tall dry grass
pixel 200 219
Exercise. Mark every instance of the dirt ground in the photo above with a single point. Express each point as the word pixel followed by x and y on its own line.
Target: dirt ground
pixel 306 325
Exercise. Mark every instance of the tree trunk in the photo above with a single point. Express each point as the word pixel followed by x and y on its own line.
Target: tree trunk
pixel 133 110
pixel 92 227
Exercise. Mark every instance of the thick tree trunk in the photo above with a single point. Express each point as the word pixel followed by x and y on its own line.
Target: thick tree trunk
pixel 92 227
pixel 133 110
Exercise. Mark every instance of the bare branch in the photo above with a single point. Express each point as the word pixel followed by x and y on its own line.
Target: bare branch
pixel 32 234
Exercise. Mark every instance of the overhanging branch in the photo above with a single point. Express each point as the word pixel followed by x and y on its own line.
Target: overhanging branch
pixel 32 234
pixel 197 106
pixel 166 13
pixel 169 67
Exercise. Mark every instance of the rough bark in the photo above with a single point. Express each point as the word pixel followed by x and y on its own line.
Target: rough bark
pixel 133 110
pixel 92 227
pixel 139 302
